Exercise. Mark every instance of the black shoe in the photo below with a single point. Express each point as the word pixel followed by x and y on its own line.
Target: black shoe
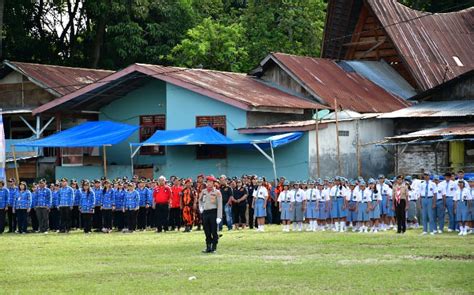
pixel 213 248
pixel 208 249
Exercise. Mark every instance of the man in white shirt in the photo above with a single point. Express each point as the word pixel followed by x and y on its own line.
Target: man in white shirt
pixel 427 192
pixel 449 188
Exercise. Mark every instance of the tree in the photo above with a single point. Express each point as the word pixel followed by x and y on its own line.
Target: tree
pixel 290 26
pixel 212 45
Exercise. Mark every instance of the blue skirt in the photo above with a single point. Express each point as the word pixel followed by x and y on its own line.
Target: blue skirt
pixel 286 213
pixel 336 209
pixel 311 212
pixel 322 214
pixel 462 212
pixel 375 212
pixel 412 211
pixel 352 214
pixel 298 214
pixel 259 210
pixel 386 207
pixel 362 214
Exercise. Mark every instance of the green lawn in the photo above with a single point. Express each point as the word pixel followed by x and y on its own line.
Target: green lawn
pixel 246 262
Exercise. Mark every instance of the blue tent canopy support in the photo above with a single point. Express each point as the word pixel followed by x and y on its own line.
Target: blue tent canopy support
pixel 209 136
pixel 87 134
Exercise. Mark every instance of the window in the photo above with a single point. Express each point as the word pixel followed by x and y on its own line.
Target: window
pixel 209 151
pixel 343 133
pixel 72 156
pixel 148 126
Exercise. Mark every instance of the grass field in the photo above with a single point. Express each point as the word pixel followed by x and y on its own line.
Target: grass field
pixel 246 262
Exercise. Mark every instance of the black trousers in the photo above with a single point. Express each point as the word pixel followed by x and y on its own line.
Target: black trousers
pixel 54 219
pixel 210 226
pixel 142 217
pixel 401 216
pixel 131 219
pixel 276 213
pixel 65 217
pixel 22 219
pixel 238 213
pixel 11 220
pixel 161 215
pixel 3 213
pixel 251 221
pixel 75 217
pixel 175 218
pixel 87 222
pixel 150 219
pixel 34 220
pixel 97 218
pixel 118 219
pixel 107 218
pixel 43 219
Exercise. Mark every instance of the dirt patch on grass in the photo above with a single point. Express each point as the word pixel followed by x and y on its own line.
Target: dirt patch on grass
pixel 467 257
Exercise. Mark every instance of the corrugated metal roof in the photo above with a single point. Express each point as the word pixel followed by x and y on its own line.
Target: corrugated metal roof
pixel 382 74
pixel 455 108
pixel 301 125
pixel 429 43
pixel 57 79
pixel 459 130
pixel 326 80
pixel 237 89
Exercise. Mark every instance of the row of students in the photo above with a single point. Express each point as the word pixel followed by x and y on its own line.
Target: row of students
pixel 369 206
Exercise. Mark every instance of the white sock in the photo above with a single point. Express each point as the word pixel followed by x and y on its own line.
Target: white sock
pixel 343 225
pixel 294 226
pixel 315 224
pixel 263 227
pixel 300 225
pixel 336 226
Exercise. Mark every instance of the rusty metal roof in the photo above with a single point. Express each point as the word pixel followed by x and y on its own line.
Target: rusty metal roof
pixel 435 47
pixel 236 89
pixel 454 108
pixel 58 80
pixel 326 80
pixel 458 130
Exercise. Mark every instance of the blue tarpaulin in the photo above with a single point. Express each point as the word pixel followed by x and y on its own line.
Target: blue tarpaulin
pixel 88 134
pixel 194 136
pixel 208 136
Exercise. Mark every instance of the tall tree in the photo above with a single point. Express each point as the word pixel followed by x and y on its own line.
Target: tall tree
pixel 212 45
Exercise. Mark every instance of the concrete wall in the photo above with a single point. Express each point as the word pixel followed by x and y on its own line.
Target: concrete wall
pixel 374 160
pixel 417 157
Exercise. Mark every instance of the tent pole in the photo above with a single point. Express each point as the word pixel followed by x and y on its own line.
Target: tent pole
pixel 131 159
pixel 317 146
pixel 16 165
pixel 104 156
pixel 337 139
pixel 274 164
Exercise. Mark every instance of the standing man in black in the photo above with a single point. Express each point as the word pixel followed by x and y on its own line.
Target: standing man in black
pixel 226 192
pixel 13 189
pixel 210 200
pixel 250 188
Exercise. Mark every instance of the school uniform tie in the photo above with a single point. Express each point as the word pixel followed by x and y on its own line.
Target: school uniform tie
pixel 426 191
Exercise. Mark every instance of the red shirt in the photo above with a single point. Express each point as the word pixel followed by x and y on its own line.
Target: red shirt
pixel 175 196
pixel 162 194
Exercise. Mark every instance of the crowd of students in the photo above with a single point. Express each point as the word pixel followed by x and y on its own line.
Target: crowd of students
pixel 250 201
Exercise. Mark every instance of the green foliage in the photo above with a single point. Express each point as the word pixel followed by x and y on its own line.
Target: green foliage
pixel 229 35
pixel 212 45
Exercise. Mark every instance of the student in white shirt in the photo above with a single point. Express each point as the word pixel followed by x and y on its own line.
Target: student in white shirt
pixel 427 192
pixel 322 206
pixel 286 198
pixel 463 203
pixel 260 196
pixel 312 197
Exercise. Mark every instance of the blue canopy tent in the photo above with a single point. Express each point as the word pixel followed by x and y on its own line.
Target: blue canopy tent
pixel 208 136
pixel 88 134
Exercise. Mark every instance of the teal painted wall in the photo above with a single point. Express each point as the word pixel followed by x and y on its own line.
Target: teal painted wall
pixel 181 107
pixel 93 172
pixel 182 161
pixel 149 99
